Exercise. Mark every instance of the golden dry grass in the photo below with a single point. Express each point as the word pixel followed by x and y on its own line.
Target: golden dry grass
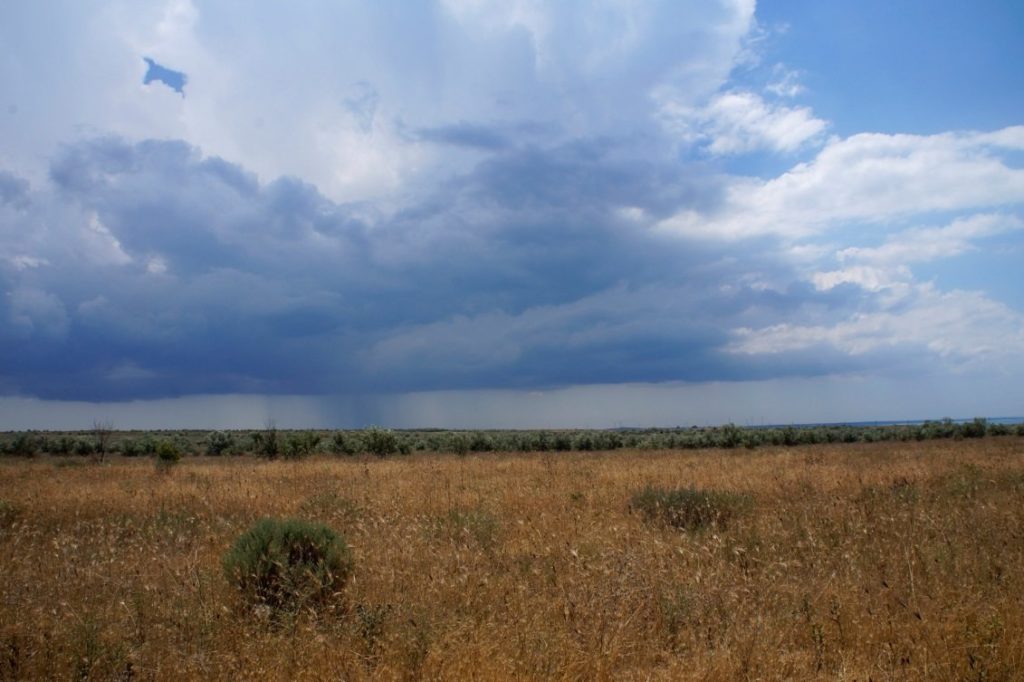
pixel 888 561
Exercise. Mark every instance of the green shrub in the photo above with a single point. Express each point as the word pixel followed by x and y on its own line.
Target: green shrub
pixel 298 445
pixel 62 446
pixel 481 442
pixel 380 442
pixel 84 448
pixel 458 443
pixel 689 508
pixel 219 443
pixel 288 564
pixel 583 442
pixel 24 445
pixel 539 441
pixel 131 448
pixel 266 442
pixel 147 444
pixel 343 444
pixel 167 454
pixel 974 429
pixel 730 436
pixel 561 442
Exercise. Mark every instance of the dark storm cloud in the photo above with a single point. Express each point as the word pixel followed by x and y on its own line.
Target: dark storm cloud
pixel 171 273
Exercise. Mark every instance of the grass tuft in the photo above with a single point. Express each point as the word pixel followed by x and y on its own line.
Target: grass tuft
pixel 689 508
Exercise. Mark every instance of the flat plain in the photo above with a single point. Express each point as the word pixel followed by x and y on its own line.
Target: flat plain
pixel 853 561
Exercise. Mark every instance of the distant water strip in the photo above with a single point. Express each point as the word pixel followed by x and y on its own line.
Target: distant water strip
pixel 903 422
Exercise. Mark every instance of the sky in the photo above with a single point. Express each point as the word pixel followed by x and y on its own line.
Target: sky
pixel 509 213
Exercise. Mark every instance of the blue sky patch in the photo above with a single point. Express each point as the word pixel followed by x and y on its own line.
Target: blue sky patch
pixel 175 80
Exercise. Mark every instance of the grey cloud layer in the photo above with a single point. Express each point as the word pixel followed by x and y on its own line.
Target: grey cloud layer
pixel 150 270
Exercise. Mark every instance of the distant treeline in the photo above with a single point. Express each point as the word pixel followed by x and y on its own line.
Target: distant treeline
pixel 271 442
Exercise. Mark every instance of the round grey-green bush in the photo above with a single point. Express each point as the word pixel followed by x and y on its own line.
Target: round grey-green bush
pixel 288 564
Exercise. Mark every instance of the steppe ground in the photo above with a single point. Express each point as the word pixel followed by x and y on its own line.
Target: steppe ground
pixel 882 561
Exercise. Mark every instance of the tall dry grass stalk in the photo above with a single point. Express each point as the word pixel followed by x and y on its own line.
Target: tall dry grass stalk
pixel 891 561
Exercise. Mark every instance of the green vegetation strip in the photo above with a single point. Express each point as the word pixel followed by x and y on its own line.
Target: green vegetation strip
pixel 275 443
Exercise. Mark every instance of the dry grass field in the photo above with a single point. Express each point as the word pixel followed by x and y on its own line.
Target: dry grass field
pixel 856 562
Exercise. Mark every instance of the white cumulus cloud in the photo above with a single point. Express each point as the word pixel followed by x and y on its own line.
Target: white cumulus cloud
pixel 868 178
pixel 931 243
pixel 962 326
pixel 737 122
